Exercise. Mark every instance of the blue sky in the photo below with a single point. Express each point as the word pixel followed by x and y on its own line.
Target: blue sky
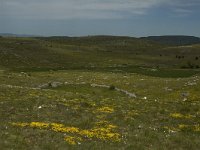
pixel 100 17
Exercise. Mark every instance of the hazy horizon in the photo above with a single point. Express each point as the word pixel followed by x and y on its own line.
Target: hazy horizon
pixel 37 35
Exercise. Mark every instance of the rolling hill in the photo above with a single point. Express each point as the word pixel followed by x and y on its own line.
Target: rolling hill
pixel 94 53
pixel 174 40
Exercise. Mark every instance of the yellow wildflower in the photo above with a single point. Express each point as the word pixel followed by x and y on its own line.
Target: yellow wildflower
pixel 104 133
pixel 39 125
pixel 61 128
pixel 106 110
pixel 176 115
pixel 57 125
pixel 171 129
pixel 183 126
pixel 188 116
pixel 179 116
pixel 87 133
pixel 110 126
pixel 19 124
pixel 72 140
pixel 197 128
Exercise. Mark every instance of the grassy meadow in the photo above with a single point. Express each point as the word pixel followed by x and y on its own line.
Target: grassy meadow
pixel 98 92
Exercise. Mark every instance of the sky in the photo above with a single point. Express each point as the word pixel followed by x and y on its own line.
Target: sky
pixel 100 17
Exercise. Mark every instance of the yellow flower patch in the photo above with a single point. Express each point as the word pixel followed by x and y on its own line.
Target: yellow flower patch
pixel 176 115
pixel 39 125
pixel 105 110
pixel 20 124
pixel 182 126
pixel 111 126
pixel 180 116
pixel 105 133
pixel 72 140
pixel 105 124
pixel 197 128
pixel 61 128
pixel 171 129
pixel 87 133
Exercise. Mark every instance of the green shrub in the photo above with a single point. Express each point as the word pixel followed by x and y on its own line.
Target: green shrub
pixel 112 87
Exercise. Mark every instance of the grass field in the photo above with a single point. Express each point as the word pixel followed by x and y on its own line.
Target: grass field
pixel 98 93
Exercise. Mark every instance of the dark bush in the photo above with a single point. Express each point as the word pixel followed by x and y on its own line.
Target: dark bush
pixel 112 87
pixel 190 65
pixel 184 67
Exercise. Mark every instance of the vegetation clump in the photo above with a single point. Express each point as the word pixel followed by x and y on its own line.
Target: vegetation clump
pixel 112 87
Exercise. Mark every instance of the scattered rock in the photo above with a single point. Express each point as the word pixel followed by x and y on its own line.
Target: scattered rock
pixel 126 92
pixel 139 127
pixel 190 84
pixel 167 89
pixel 185 94
pixel 115 88
pixel 43 86
pixel 154 70
pixel 50 84
pixel 55 84
pixel 98 85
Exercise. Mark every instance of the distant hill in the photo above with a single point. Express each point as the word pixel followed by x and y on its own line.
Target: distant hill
pixel 72 52
pixel 111 43
pixel 93 52
pixel 16 35
pixel 167 40
pixel 174 40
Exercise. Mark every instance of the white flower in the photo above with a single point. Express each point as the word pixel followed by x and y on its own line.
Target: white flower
pixel 145 97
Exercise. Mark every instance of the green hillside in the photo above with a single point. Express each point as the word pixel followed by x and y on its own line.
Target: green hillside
pixel 98 92
pixel 106 53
